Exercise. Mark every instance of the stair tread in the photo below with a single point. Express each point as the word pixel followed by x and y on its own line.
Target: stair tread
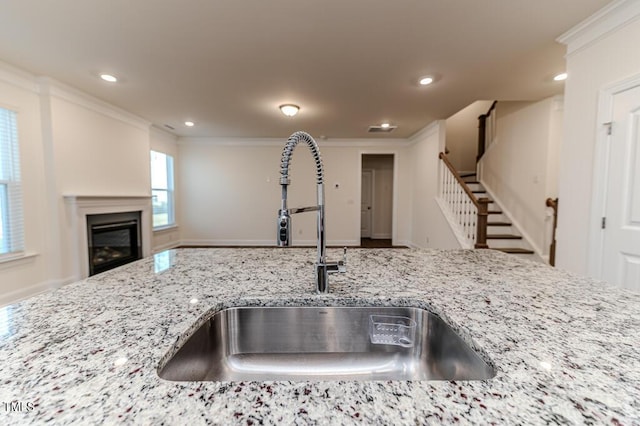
pixel 464 175
pixel 499 224
pixel 479 192
pixel 503 237
pixel 514 250
pixel 472 182
pixel 494 212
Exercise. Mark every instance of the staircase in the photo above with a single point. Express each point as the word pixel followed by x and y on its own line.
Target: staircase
pixel 502 235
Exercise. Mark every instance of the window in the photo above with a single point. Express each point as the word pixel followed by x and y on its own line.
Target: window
pixel 162 189
pixel 11 228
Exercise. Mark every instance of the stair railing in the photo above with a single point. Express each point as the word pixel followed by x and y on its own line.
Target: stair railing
pixel 486 130
pixel 469 212
pixel 553 203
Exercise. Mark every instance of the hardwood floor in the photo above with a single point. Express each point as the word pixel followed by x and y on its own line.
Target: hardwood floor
pixel 364 243
pixel 377 243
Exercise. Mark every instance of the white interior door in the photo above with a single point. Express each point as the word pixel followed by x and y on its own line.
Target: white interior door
pixel 621 239
pixel 365 204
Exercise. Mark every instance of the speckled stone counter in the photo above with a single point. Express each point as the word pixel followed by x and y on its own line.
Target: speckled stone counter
pixel 566 349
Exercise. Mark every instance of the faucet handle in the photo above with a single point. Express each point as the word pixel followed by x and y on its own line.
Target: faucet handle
pixel 342 264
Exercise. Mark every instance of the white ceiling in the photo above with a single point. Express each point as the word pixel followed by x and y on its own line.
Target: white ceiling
pixel 228 64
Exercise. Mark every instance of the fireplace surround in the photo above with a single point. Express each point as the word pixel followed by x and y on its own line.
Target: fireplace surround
pixel 82 210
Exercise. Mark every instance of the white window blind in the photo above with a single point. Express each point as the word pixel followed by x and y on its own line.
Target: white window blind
pixel 11 222
pixel 162 189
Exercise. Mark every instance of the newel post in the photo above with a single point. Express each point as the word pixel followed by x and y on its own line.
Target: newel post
pixel 481 227
pixel 482 129
pixel 552 250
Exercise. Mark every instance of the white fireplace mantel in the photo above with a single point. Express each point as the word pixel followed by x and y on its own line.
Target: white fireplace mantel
pixel 80 206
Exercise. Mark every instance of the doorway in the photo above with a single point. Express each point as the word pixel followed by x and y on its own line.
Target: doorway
pixel 376 202
pixel 621 215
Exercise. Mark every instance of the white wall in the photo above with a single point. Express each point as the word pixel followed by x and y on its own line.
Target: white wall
pixel 20 278
pixel 230 192
pixel 517 168
pixel 382 165
pixel 429 226
pixel 97 150
pixel 70 144
pixel 167 143
pixel 462 135
pixel 601 53
pixel 227 191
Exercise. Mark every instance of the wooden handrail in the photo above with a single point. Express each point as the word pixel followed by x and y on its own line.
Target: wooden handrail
pixel 482 205
pixel 462 183
pixel 482 128
pixel 552 249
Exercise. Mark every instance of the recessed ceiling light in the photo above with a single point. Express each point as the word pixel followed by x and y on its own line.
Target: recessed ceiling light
pixel 289 109
pixel 189 123
pixel 560 77
pixel 108 77
pixel 426 80
pixel 385 125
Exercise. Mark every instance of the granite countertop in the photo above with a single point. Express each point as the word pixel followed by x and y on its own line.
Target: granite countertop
pixel 565 347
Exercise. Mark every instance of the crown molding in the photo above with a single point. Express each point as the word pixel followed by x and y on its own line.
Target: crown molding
pixel 56 89
pixel 280 142
pixel 154 129
pixel 17 77
pixel 600 24
pixel 430 129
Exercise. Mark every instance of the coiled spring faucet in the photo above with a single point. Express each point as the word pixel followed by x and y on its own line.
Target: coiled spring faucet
pixel 322 267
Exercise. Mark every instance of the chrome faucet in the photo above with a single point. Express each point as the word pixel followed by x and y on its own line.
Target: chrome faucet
pixel 322 267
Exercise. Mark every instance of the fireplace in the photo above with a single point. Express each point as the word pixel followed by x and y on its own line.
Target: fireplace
pixel 81 207
pixel 113 239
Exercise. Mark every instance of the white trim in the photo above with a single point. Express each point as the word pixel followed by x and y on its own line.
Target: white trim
pixel 28 292
pixel 425 132
pixel 165 228
pixel 53 232
pixel 265 243
pixel 162 132
pixel 360 210
pixel 409 244
pixel 602 23
pixel 280 142
pixel 457 230
pixel 79 206
pixel 394 207
pixel 17 77
pixel 595 245
pixel 380 236
pixel 166 246
pixel 55 89
pixel 14 259
pixel 373 202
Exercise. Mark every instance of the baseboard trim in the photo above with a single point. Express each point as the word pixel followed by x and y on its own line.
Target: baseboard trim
pixel 263 243
pixel 167 246
pixel 380 236
pixel 410 245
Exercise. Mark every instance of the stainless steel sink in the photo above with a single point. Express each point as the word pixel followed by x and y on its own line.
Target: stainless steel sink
pixel 325 343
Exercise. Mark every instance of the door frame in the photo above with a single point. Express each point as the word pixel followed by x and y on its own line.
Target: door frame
pixel 372 199
pixel 394 208
pixel 601 170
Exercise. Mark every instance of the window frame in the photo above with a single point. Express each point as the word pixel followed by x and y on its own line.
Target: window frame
pixel 169 191
pixel 11 212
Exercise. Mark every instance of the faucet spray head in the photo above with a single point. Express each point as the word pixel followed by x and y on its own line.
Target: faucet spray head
pixel 284 228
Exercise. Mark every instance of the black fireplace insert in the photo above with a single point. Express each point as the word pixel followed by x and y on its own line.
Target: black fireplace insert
pixel 114 240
